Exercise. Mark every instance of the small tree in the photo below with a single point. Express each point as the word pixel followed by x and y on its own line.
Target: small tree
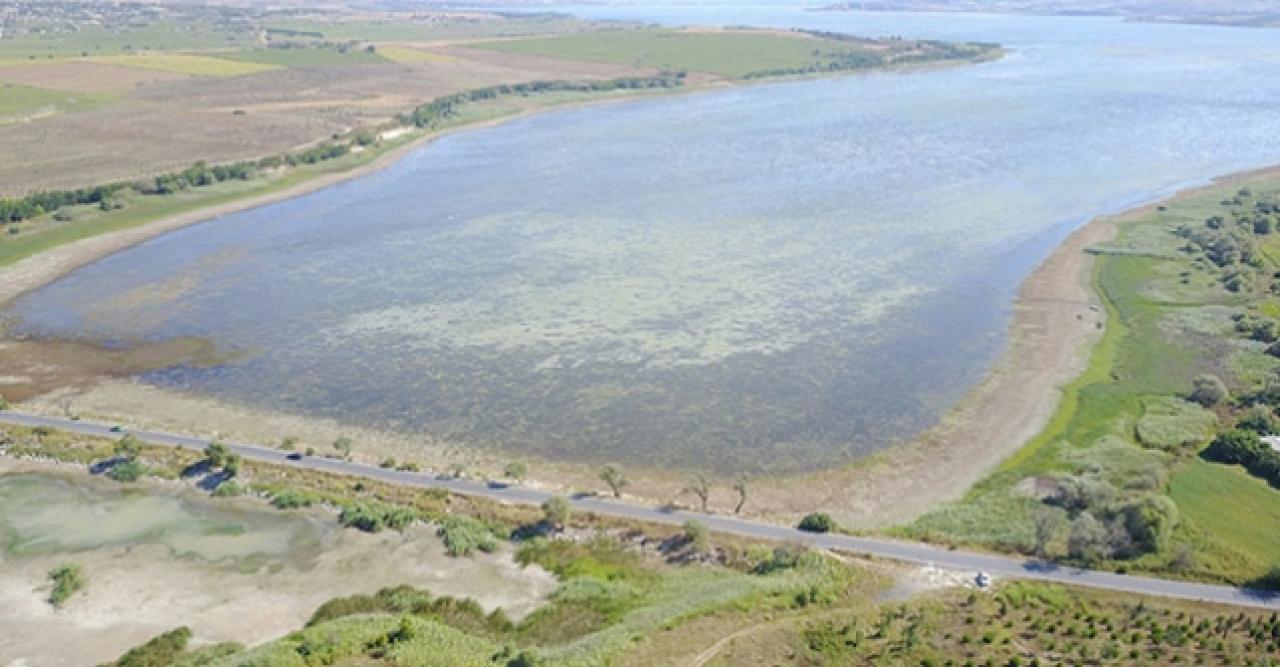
pixel 741 487
pixel 516 470
pixel 1048 524
pixel 1087 539
pixel 343 446
pixel 457 470
pixel 216 454
pixel 1208 390
pixel 700 487
pixel 697 535
pixel 128 447
pixel 615 478
pixel 556 511
pixel 289 443
pixel 232 467
pixel 67 581
pixel 817 522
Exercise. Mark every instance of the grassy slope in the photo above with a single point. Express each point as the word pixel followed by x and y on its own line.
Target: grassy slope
pixel 16 99
pixel 727 54
pixel 1161 333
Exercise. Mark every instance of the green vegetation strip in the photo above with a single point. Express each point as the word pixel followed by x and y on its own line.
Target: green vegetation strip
pixel 1123 476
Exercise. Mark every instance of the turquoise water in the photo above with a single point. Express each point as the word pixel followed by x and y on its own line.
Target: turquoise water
pixel 771 278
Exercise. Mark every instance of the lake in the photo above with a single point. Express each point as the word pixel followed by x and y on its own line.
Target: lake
pixel 773 278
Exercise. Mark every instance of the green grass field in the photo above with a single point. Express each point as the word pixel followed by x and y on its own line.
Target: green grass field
pixel 1123 425
pixel 18 101
pixel 728 54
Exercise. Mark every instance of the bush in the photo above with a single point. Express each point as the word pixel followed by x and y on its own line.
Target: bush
pixel 697 535
pixel 557 510
pixel 817 522
pixel 161 651
pixel 229 489
pixel 1208 390
pixel 288 499
pixel 67 581
pixel 463 535
pixel 128 471
pixel 373 517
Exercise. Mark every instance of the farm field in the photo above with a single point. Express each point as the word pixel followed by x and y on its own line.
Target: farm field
pixel 186 64
pixel 729 53
pixel 1128 430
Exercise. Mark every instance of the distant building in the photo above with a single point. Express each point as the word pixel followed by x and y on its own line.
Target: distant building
pixel 1273 441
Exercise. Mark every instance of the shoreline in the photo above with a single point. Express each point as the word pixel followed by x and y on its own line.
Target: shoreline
pixel 1056 318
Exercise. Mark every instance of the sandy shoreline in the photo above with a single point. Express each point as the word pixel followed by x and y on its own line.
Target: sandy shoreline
pixel 1057 317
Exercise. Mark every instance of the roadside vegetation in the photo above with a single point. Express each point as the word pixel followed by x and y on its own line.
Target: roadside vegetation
pixel 67 580
pixel 1155 460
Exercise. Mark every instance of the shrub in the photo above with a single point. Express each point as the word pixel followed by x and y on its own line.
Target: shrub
pixel 464 535
pixel 228 489
pixel 557 510
pixel 697 535
pixel 160 651
pixel 287 499
pixel 128 471
pixel 67 581
pixel 1208 390
pixel 817 522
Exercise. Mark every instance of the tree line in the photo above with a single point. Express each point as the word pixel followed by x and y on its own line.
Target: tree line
pixel 429 115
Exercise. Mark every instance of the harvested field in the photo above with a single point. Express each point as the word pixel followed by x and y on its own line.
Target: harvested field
pixel 173 122
pixel 83 76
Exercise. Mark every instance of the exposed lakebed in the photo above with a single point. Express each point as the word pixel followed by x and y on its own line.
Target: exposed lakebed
pixel 777 277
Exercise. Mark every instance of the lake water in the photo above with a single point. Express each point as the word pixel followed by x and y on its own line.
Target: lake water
pixel 776 277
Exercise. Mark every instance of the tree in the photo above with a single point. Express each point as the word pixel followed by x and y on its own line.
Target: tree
pixel 1150 522
pixel 232 467
pixel 613 476
pixel 697 535
pixel 343 446
pixel 289 443
pixel 516 470
pixel 741 487
pixel 1208 390
pixel 129 471
pixel 128 447
pixel 817 522
pixel 1048 524
pixel 556 511
pixel 1088 536
pixel 216 454
pixel 700 487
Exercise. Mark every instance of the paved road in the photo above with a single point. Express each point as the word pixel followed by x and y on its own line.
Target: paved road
pixel 997 566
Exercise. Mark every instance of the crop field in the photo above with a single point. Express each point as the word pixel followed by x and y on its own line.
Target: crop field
pixel 194 65
pixel 404 54
pixel 1126 431
pixel 728 54
pixel 18 101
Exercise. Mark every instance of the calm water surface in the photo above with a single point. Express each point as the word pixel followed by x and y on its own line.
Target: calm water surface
pixel 777 277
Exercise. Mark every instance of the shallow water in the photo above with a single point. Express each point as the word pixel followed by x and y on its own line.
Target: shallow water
pixel 47 514
pixel 777 277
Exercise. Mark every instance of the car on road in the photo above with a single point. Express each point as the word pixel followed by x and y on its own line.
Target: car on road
pixel 294 456
pixel 117 428
pixel 983 580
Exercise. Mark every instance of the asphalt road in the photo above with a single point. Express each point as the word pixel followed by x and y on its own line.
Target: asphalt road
pixel 996 566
